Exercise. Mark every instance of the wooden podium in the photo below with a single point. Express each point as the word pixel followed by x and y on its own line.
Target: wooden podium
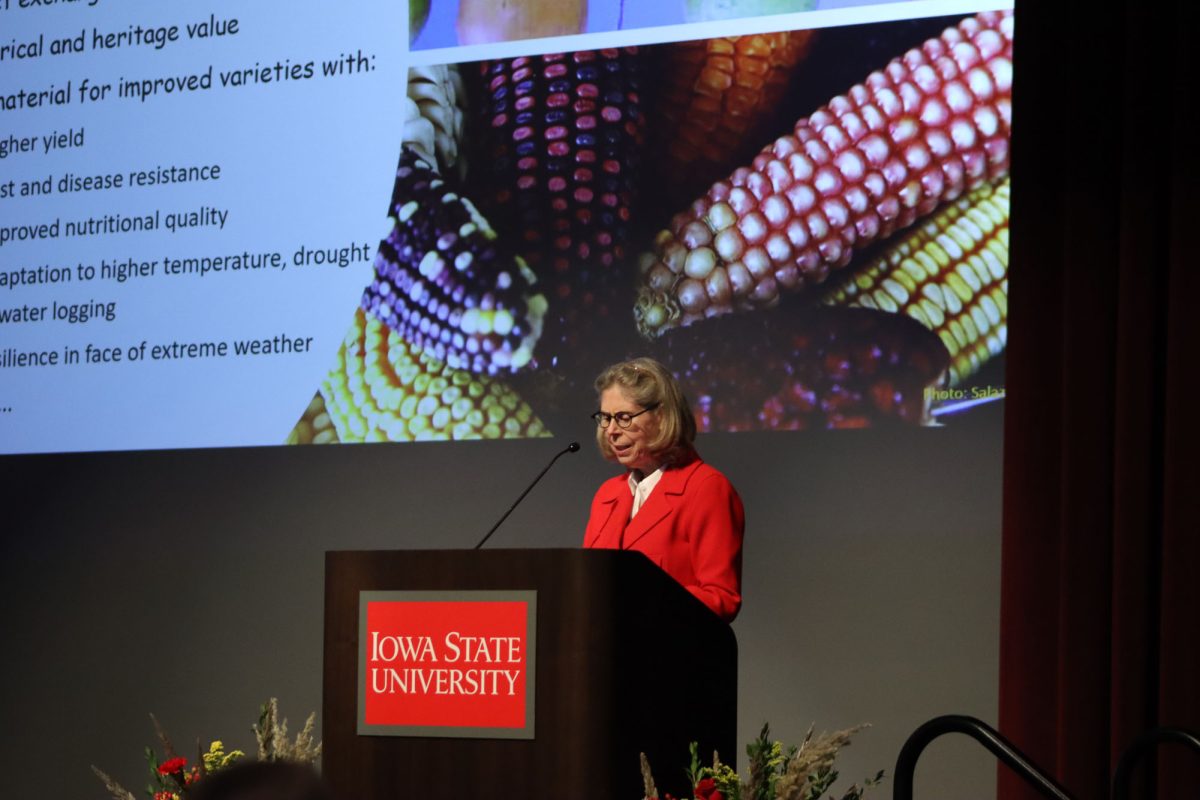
pixel 627 661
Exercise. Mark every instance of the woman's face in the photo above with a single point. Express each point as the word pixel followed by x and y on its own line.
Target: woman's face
pixel 629 444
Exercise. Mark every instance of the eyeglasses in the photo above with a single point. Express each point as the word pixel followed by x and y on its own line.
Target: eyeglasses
pixel 623 418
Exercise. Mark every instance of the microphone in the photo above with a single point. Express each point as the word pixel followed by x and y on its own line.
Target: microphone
pixel 573 447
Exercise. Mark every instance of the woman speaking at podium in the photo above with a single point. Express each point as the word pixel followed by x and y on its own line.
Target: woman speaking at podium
pixel 681 513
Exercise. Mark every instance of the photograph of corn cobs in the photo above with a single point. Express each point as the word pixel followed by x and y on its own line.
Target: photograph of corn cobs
pixel 810 228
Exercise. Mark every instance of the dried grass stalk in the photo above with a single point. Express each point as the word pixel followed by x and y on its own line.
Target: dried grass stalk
pixel 306 749
pixel 273 742
pixel 115 789
pixel 265 732
pixel 647 778
pixel 814 757
pixel 168 748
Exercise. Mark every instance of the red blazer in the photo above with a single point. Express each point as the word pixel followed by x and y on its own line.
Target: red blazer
pixel 691 526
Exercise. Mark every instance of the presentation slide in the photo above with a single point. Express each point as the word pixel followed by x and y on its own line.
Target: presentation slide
pixel 228 224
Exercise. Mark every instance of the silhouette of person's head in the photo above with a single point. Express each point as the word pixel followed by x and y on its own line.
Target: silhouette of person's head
pixel 262 780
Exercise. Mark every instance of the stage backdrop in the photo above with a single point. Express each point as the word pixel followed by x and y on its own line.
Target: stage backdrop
pixel 190 584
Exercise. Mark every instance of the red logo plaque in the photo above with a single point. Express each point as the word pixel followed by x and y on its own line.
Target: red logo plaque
pixel 447 664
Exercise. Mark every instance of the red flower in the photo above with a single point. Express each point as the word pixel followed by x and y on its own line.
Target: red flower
pixel 707 790
pixel 172 766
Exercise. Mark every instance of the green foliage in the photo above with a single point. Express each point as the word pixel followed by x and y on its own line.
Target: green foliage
pixel 157 782
pixel 766 764
pixel 856 792
pixel 820 783
pixel 695 771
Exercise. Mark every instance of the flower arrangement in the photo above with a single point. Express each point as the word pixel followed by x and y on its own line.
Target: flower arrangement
pixel 172 778
pixel 804 772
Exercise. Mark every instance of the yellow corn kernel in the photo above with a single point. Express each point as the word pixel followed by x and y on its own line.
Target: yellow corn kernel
pixel 954 269
pixel 315 425
pixel 382 389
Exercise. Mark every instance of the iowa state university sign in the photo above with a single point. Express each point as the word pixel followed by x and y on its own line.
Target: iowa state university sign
pixel 447 664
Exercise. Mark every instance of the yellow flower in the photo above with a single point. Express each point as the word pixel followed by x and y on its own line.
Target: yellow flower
pixel 216 758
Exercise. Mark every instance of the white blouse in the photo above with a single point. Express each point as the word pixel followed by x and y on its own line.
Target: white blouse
pixel 642 489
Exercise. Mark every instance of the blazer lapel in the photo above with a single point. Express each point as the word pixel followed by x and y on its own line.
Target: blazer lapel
pixel 661 502
pixel 619 503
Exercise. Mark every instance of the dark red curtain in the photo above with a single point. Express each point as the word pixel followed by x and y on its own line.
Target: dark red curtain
pixel 1100 607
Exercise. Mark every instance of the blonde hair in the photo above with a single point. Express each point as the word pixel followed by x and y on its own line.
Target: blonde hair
pixel 648 383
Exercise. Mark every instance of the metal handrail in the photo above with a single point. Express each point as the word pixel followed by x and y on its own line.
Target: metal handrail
pixel 1140 748
pixel 997 745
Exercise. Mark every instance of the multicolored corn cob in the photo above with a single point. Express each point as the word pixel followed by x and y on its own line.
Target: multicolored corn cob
pixel 384 389
pixel 559 137
pixel 443 283
pixel 314 426
pixel 821 368
pixel 562 132
pixel 931 125
pixel 433 117
pixel 951 275
pixel 718 95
